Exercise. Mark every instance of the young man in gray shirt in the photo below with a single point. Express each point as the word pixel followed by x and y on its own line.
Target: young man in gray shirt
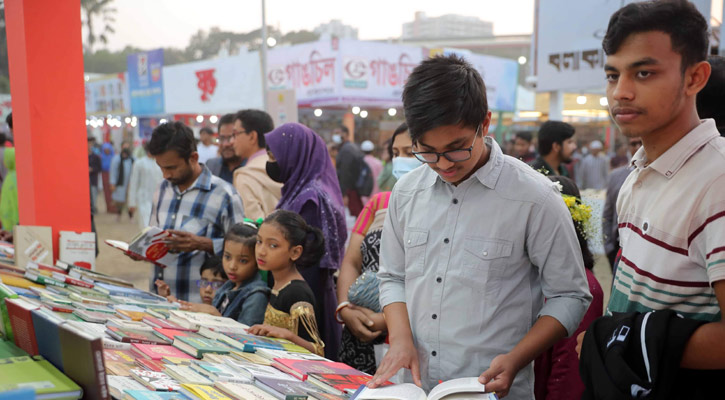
pixel 472 245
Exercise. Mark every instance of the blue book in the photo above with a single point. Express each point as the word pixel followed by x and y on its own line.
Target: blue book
pixel 47 326
pixel 152 395
pixel 18 394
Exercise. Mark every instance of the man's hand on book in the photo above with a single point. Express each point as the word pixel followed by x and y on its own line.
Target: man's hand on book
pixel 402 354
pixel 359 323
pixel 182 242
pixel 500 375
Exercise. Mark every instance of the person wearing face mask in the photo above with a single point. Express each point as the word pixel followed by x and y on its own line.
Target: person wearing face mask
pixel 364 326
pixel 298 158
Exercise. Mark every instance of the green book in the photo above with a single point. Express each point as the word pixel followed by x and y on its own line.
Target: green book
pixel 9 349
pixel 6 331
pixel 197 347
pixel 38 374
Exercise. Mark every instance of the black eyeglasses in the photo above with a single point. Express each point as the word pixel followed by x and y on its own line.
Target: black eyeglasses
pixel 458 155
pixel 203 283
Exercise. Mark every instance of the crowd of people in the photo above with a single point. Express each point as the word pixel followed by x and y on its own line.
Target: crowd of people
pixel 465 259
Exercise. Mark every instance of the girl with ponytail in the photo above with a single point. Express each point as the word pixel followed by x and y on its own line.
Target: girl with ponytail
pixel 285 244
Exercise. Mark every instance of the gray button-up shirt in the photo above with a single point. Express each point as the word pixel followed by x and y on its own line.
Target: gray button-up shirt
pixel 474 263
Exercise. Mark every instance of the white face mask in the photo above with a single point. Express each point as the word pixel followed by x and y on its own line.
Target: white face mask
pixel 403 165
pixel 337 139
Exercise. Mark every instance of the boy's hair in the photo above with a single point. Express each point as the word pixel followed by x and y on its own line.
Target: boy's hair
pixel 258 121
pixel 298 233
pixel 443 90
pixel 226 119
pixel 206 130
pixel 172 136
pixel 214 263
pixel 711 99
pixel 553 132
pixel 244 233
pixel 524 135
pixel 679 19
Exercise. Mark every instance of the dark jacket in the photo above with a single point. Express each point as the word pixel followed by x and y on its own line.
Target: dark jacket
pixel 616 364
pixel 217 168
pixel 246 304
pixel 542 166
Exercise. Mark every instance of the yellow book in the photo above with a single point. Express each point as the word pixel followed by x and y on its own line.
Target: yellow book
pixel 250 357
pixel 203 392
pixel 17 281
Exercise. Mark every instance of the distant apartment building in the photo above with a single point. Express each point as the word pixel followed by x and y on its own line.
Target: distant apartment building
pixel 446 26
pixel 337 29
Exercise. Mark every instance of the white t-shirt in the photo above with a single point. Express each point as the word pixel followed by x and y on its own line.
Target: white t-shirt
pixel 207 152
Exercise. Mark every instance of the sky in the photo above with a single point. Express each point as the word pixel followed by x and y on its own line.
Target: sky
pixel 151 24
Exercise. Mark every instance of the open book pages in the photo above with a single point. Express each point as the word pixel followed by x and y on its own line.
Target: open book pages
pixel 149 244
pixel 460 388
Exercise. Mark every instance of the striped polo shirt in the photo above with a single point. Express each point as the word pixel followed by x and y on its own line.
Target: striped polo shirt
pixel 672 229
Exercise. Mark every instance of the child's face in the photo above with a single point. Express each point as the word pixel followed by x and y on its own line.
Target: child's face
pixel 273 251
pixel 238 261
pixel 207 288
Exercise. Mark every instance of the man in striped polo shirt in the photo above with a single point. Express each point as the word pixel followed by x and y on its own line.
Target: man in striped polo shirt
pixel 672 206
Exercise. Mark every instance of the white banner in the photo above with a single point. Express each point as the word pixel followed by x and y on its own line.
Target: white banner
pixel 214 86
pixel 375 73
pixel 311 69
pixel 568 42
pixel 108 95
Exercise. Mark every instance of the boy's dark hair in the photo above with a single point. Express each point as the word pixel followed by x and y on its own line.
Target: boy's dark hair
pixel 711 99
pixel 256 120
pixel 225 120
pixel 525 135
pixel 402 128
pixel 298 233
pixel 243 233
pixel 679 19
pixel 214 263
pixel 172 136
pixel 568 187
pixel 206 130
pixel 553 132
pixel 444 90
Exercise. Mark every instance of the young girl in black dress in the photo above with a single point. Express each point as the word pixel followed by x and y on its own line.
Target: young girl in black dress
pixel 285 243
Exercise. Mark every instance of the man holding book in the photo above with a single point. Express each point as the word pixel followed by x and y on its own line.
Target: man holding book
pixel 472 244
pixel 195 207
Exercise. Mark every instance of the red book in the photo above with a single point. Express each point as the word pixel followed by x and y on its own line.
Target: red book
pixel 151 365
pixel 158 352
pixel 162 324
pixel 46 267
pixel 134 336
pixel 71 281
pixel 306 367
pixel 19 312
pixel 341 383
pixel 171 334
pixel 58 307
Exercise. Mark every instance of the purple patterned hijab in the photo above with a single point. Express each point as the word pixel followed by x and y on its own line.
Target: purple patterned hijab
pixel 309 176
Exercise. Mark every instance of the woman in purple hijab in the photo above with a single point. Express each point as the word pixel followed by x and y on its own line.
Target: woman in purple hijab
pixel 311 189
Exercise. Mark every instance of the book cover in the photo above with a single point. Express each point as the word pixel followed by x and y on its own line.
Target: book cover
pixel 158 352
pixel 204 392
pixel 171 334
pixel 92 316
pixel 319 367
pixel 33 243
pixel 196 320
pixel 150 365
pixel 58 307
pixel 154 380
pixel 42 279
pixel 9 349
pixel 339 384
pixel 254 371
pixel 85 292
pixel 83 362
pixel 119 369
pixel 218 372
pixel 119 384
pixel 152 395
pixel 21 321
pixel 149 245
pixel 161 323
pixel 253 341
pixel 185 374
pixel 61 277
pixel 243 391
pixel 119 356
pixel 17 280
pixel 38 374
pixel 124 291
pixel 6 330
pixel 125 324
pixel 197 346
pixel 134 336
pixel 283 388
pixel 252 358
pixel 132 315
pixel 46 326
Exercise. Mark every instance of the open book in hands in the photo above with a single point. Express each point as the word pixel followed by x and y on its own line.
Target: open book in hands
pixel 150 245
pixel 461 388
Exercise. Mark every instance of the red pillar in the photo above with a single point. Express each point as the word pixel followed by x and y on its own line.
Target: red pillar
pixel 45 52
